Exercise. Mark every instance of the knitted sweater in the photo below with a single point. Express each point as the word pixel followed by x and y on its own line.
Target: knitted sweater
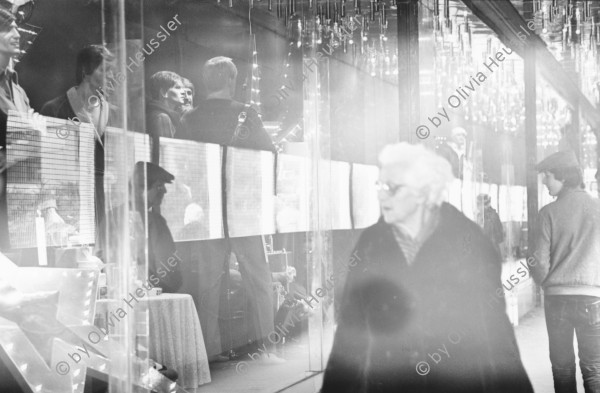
pixel 567 256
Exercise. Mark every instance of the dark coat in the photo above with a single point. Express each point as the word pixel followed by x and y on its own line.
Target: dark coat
pixel 492 226
pixel 394 317
pixel 216 120
pixel 164 265
pixel 60 108
pixel 160 122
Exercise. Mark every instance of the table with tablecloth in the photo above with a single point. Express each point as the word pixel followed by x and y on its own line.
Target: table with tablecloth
pixel 175 336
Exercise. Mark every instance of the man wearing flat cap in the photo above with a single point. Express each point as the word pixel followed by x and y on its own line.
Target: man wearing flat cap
pixel 149 189
pixel 149 181
pixel 566 263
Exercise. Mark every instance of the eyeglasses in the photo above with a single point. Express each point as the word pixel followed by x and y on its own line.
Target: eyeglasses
pixel 390 188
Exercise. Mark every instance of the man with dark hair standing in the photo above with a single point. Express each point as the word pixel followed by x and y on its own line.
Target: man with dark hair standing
pixel 86 103
pixel 12 96
pixel 163 112
pixel 566 265
pixel 221 120
pixel 85 100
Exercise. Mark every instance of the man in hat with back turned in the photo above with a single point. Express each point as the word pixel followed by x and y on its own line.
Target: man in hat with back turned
pixel 149 189
pixel 566 265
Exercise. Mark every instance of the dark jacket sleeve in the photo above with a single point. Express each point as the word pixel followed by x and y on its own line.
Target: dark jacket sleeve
pixel 346 368
pixel 49 109
pixel 159 125
pixel 163 260
pixel 59 108
pixel 185 126
pixel 260 139
pixel 499 230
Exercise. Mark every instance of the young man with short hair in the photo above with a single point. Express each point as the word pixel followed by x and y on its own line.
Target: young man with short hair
pixel 566 264
pixel 85 102
pixel 219 119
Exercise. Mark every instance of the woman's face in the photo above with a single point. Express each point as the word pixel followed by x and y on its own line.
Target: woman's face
pixel 175 95
pixel 398 201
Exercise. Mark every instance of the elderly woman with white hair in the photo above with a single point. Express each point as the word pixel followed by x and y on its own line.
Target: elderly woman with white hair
pixel 423 309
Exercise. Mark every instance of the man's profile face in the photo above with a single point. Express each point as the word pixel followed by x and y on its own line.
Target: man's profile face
pixel 156 193
pixel 104 72
pixel 10 39
pixel 188 97
pixel 554 186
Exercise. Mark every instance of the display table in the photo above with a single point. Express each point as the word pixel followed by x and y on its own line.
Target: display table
pixel 175 336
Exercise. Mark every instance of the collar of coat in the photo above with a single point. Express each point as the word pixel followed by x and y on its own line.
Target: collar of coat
pixel 454 232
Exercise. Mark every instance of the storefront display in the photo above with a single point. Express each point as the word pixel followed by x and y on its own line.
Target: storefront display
pixel 263 121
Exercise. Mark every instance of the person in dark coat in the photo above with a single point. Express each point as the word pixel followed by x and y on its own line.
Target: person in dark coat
pixel 221 120
pixel 86 103
pixel 423 309
pixel 149 183
pixel 489 220
pixel 163 114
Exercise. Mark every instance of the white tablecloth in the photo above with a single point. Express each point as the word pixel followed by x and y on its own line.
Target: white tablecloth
pixel 175 336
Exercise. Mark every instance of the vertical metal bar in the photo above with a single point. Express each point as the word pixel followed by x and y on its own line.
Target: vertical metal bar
pixel 574 136
pixel 408 67
pixel 531 145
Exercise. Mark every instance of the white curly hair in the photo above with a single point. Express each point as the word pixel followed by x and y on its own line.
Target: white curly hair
pixel 425 170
